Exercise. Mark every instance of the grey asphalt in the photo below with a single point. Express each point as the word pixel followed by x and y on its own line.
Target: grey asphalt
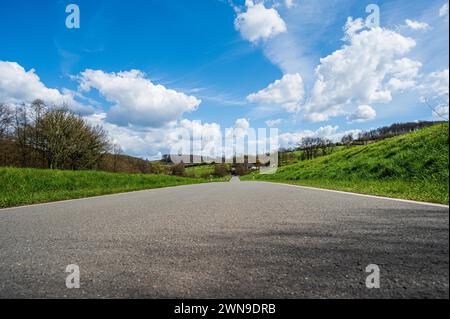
pixel 225 240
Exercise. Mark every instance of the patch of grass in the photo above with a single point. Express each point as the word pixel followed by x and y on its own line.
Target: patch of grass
pixel 412 166
pixel 31 186
pixel 200 170
pixel 206 171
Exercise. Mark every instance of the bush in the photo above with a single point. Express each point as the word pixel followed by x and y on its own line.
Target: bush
pixel 241 170
pixel 56 138
pixel 220 170
pixel 178 169
pixel 206 175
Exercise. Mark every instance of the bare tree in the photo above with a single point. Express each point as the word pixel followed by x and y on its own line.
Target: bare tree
pixel 21 132
pixel 347 140
pixel 116 151
pixel 6 119
pixel 326 146
pixel 310 146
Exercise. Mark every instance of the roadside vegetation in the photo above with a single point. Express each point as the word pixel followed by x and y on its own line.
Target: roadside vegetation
pixel 209 171
pixel 410 166
pixel 23 186
pixel 38 136
pixel 50 153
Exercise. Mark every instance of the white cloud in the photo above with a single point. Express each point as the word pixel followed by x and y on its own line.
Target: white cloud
pixel 288 92
pixel 435 92
pixel 242 124
pixel 416 25
pixel 437 83
pixel 289 3
pixel 443 11
pixel 404 74
pixel 259 22
pixel 352 27
pixel 274 123
pixel 324 115
pixel 368 69
pixel 317 117
pixel 149 142
pixel 326 131
pixel 137 101
pixel 362 114
pixel 143 142
pixel 20 86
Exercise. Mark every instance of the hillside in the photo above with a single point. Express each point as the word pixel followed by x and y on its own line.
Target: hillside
pixel 21 186
pixel 411 166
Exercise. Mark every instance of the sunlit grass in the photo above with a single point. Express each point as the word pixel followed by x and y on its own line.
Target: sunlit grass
pixel 412 166
pixel 30 186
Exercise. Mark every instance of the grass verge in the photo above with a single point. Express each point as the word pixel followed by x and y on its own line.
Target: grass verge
pixel 412 166
pixel 20 186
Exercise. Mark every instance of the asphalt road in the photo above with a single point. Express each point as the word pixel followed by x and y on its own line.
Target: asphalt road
pixel 225 240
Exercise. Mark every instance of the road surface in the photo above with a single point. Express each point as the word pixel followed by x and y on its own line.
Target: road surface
pixel 225 240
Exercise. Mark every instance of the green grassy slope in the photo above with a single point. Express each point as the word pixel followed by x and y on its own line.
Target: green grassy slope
pixel 29 186
pixel 412 166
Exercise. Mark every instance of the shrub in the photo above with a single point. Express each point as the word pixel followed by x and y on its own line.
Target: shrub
pixel 220 170
pixel 178 169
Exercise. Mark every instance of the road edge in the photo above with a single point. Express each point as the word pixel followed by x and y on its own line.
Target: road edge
pixel 356 194
pixel 100 196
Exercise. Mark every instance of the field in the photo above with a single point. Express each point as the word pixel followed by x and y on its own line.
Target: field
pixel 412 166
pixel 30 186
pixel 200 170
pixel 205 171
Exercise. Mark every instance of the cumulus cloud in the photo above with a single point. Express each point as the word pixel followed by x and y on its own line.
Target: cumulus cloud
pixel 140 142
pixel 288 92
pixel 316 117
pixel 147 142
pixel 416 25
pixel 137 101
pixel 368 69
pixel 177 137
pixel 443 11
pixel 259 23
pixel 363 113
pixel 324 115
pixel 20 86
pixel 274 123
pixel 242 124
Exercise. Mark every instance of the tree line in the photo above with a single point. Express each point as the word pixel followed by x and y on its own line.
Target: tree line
pixel 36 136
pixel 39 136
pixel 393 130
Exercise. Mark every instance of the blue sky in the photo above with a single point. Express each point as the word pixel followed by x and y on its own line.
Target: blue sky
pixel 144 68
